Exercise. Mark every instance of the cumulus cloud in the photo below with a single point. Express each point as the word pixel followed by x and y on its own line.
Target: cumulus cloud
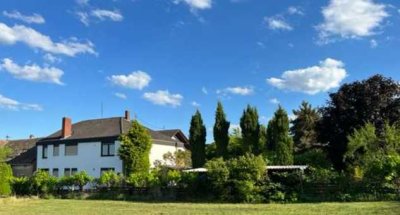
pixel 136 80
pixel 312 80
pixel 34 18
pixel 114 15
pixel 350 19
pixel 243 91
pixel 32 72
pixel 196 4
pixel 292 10
pixel 51 58
pixel 163 98
pixel 274 101
pixel 34 39
pixel 11 104
pixel 121 96
pixel 278 23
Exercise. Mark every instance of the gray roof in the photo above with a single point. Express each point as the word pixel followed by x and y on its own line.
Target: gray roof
pixel 106 128
pixel 23 151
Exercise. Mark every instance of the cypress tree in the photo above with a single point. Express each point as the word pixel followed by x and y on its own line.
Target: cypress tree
pixel 197 139
pixel 221 131
pixel 280 140
pixel 250 130
pixel 135 149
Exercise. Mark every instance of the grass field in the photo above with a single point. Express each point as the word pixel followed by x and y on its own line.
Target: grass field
pixel 14 206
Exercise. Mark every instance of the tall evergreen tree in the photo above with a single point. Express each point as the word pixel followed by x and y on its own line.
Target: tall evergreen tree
pixel 135 149
pixel 304 127
pixel 250 130
pixel 197 139
pixel 221 131
pixel 279 139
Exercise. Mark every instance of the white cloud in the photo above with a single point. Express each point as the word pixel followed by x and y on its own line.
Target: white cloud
pixel 107 15
pixel 34 39
pixel 32 72
pixel 196 4
pixel 83 17
pixel 243 91
pixel 312 80
pixel 350 19
pixel 121 96
pixel 204 90
pixel 278 23
pixel 195 104
pixel 274 101
pixel 34 18
pixel 373 43
pixel 164 98
pixel 11 104
pixel 51 58
pixel 295 11
pixel 136 80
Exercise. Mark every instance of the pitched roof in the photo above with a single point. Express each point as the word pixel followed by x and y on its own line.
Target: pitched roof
pixel 23 151
pixel 105 128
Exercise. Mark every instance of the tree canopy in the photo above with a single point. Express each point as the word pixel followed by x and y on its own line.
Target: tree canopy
pixel 197 139
pixel 221 132
pixel 250 130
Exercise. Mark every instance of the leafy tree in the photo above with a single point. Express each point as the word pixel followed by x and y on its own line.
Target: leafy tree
pixel 221 131
pixel 43 183
pixel 197 139
pixel 5 177
pixel 304 127
pixel 375 100
pixel 4 153
pixel 179 159
pixel 279 140
pixel 135 149
pixel 250 130
pixel 218 175
pixel 263 142
pixel 80 179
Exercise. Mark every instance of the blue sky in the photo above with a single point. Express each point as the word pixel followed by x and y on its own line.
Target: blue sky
pixel 163 59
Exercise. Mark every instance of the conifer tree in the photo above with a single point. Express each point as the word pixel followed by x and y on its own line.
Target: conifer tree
pixel 250 130
pixel 197 139
pixel 221 131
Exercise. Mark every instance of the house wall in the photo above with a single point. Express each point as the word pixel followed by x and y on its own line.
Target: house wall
pixel 23 170
pixel 89 158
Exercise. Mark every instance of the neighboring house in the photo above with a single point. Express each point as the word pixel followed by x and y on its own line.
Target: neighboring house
pixel 92 146
pixel 23 156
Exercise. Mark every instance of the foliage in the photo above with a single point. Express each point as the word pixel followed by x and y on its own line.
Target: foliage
pixel 218 175
pixel 179 159
pixel 279 140
pixel 235 143
pixel 21 186
pixel 5 151
pixel 110 179
pixel 173 177
pixel 384 172
pixel 221 132
pixel 316 158
pixel 211 151
pixel 304 127
pixel 143 179
pixel 80 179
pixel 135 149
pixel 5 177
pixel 197 139
pixel 42 182
pixel 375 100
pixel 250 130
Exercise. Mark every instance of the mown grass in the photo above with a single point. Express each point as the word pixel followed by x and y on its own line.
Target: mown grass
pixel 55 206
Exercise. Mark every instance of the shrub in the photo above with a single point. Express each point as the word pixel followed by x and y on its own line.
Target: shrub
pixel 110 179
pixel 142 179
pixel 81 179
pixel 314 158
pixel 173 177
pixel 247 167
pixel 43 183
pixel 218 175
pixel 5 177
pixel 21 186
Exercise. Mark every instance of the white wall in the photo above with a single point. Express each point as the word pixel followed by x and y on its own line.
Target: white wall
pixel 89 159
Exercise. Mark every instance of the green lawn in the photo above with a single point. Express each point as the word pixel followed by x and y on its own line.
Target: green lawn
pixel 34 206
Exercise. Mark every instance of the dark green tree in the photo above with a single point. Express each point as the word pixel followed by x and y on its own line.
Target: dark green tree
pixel 304 127
pixel 221 131
pixel 375 100
pixel 135 149
pixel 280 142
pixel 197 139
pixel 250 130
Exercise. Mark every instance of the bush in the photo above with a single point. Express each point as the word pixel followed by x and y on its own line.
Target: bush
pixel 247 168
pixel 5 177
pixel 110 179
pixel 143 180
pixel 314 157
pixel 218 175
pixel 43 183
pixel 81 179
pixel 21 186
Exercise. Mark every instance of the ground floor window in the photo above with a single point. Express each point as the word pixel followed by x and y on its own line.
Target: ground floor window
pixel 103 170
pixel 70 171
pixel 55 172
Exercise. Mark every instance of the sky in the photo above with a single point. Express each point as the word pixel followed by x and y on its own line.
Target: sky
pixel 164 59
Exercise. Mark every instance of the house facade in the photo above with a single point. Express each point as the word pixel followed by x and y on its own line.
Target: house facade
pixel 92 146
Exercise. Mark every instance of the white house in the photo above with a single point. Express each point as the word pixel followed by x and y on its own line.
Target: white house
pixel 92 146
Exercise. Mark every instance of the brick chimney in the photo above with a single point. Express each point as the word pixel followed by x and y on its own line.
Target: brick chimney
pixel 127 115
pixel 66 129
